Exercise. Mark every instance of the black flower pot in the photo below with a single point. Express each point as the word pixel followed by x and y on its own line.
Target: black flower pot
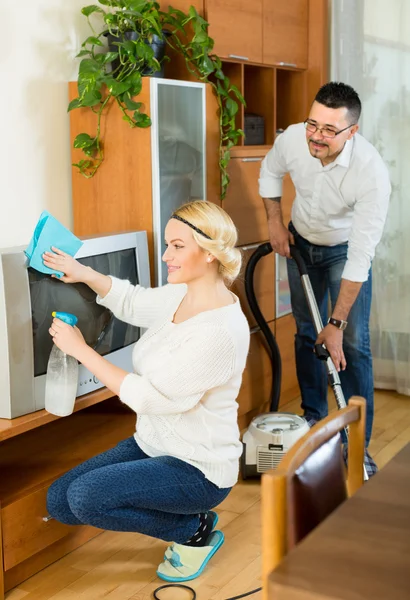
pixel 157 44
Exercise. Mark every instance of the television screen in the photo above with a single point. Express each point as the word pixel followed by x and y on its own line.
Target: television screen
pixel 101 330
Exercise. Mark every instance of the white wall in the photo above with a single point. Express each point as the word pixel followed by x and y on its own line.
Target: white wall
pixel 39 41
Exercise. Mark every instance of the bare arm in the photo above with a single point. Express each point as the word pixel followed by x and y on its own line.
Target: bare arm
pixel 332 337
pixel 110 375
pixel 349 290
pixel 279 235
pixel 100 284
pixel 75 272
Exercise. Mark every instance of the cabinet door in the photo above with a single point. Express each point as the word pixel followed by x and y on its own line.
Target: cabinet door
pixel 264 285
pixel 236 27
pixel 285 33
pixel 253 397
pixel 178 150
pixel 285 336
pixel 243 202
pixel 288 196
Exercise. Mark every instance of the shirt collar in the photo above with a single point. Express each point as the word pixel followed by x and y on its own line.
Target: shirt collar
pixel 343 160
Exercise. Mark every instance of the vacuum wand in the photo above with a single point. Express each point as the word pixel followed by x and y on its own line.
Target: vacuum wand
pixel 321 351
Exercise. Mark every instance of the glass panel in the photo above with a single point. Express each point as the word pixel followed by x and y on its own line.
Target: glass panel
pixel 283 306
pixel 181 148
pixel 101 330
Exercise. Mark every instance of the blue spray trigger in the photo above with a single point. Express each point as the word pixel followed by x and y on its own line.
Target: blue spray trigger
pixel 66 317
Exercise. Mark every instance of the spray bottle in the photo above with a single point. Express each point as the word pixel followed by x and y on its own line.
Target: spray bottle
pixel 62 376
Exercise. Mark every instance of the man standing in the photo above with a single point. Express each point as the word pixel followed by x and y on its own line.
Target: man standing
pixel 342 196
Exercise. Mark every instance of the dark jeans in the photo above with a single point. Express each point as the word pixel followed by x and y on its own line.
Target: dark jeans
pixel 325 266
pixel 125 490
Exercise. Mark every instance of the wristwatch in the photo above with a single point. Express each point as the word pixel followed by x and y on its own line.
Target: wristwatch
pixel 338 323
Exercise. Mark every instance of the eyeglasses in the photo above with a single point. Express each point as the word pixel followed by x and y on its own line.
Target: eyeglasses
pixel 325 131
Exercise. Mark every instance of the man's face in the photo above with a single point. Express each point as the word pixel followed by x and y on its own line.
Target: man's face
pixel 327 119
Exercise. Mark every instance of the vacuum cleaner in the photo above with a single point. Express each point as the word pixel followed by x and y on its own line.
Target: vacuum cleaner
pixel 269 436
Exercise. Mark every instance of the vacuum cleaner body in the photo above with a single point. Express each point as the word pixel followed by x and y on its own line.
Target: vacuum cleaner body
pixel 267 440
pixel 270 436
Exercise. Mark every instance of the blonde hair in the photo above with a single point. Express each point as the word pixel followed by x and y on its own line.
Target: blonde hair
pixel 218 225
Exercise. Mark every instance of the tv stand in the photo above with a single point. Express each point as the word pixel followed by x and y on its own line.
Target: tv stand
pixel 35 450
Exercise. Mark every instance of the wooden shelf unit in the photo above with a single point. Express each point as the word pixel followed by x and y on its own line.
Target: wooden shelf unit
pixel 13 427
pixel 30 461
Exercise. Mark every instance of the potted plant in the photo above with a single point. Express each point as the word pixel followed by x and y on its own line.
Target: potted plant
pixel 135 31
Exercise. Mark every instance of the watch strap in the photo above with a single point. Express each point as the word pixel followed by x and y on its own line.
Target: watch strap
pixel 339 323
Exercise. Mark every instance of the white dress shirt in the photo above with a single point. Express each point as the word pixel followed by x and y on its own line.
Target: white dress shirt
pixel 344 201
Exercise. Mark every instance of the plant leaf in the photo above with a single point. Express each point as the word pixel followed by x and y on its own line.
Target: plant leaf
pixel 83 140
pixel 83 53
pixel 94 41
pixel 138 5
pixel 109 57
pixel 110 18
pixel 76 103
pixel 141 119
pixel 92 8
pixel 238 94
pixel 118 87
pixel 89 65
pixel 135 81
pixel 91 98
pixel 231 106
pixel 207 65
pixel 221 90
pixel 130 103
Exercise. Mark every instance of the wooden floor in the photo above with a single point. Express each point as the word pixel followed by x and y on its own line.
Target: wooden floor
pixel 121 566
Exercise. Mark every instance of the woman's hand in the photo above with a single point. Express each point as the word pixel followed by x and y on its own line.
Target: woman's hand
pixel 74 272
pixel 66 337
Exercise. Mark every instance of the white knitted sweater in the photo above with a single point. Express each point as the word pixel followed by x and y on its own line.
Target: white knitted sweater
pixel 186 377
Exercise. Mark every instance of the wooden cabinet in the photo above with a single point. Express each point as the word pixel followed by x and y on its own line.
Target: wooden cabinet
pixel 264 282
pixel 285 336
pixel 288 196
pixel 25 532
pixel 243 202
pixel 34 454
pixel 236 27
pixel 257 380
pixel 285 33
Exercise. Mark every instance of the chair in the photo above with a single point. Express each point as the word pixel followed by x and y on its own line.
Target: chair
pixel 310 482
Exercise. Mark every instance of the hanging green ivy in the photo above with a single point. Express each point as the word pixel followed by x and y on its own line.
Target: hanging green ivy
pixel 116 73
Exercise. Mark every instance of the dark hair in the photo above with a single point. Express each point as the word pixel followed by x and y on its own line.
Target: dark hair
pixel 337 95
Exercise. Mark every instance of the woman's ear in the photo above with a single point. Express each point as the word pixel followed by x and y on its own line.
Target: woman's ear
pixel 209 258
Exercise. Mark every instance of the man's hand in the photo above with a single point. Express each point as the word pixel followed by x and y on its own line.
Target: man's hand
pixel 280 239
pixel 332 338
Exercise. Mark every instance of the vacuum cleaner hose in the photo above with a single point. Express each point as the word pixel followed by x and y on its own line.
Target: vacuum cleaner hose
pixel 276 362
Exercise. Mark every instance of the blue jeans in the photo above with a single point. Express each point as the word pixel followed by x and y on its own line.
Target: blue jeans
pixel 125 490
pixel 325 266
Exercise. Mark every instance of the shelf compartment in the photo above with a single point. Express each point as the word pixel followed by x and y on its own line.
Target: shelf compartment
pixel 259 96
pixel 38 457
pixel 290 96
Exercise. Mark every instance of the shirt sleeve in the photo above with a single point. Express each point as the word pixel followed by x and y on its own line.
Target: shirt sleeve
pixel 206 360
pixel 369 217
pixel 137 305
pixel 273 169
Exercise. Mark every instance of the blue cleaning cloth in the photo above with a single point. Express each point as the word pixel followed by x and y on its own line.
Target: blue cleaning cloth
pixel 50 232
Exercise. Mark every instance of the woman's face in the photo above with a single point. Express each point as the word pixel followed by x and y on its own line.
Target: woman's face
pixel 185 260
